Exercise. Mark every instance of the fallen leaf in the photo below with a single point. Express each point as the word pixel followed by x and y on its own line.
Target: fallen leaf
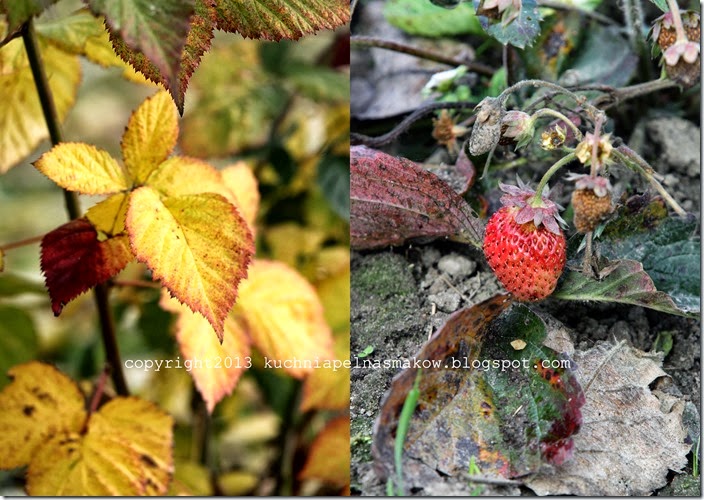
pixel 631 437
pixel 509 411
pixel 394 200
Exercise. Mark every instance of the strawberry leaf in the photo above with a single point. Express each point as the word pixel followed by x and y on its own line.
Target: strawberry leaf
pixel 150 35
pixel 482 397
pixel 280 19
pixel 394 200
pixel 519 32
pixel 74 260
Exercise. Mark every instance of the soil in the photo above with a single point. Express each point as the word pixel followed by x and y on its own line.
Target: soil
pixel 402 295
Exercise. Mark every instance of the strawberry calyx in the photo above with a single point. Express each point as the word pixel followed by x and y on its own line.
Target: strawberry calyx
pixel 531 207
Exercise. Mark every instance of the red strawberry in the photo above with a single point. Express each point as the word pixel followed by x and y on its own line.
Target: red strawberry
pixel 524 244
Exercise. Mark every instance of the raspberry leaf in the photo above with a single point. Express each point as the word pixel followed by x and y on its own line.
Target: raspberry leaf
pixel 483 397
pixel 18 13
pixel 196 244
pixel 280 19
pixel 74 260
pixel 325 462
pixel 395 199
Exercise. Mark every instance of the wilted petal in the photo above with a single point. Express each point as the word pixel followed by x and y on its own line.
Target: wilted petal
pixel 691 52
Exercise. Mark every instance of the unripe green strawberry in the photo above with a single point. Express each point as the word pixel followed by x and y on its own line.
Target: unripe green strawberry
pixel 524 244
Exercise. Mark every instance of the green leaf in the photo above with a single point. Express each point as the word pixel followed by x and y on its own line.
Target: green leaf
pixel 71 33
pixel 592 67
pixel 18 340
pixel 334 181
pixel 280 19
pixel 669 254
pixel 12 285
pixel 625 282
pixel 661 4
pixel 420 17
pixel 20 11
pixel 520 31
pixel 156 31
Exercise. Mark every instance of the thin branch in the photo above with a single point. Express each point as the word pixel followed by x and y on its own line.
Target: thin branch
pixel 46 99
pixel 20 243
pixel 407 122
pixel 135 284
pixel 379 43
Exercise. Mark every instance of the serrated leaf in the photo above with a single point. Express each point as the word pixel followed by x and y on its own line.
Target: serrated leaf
pixel 39 403
pixel 280 19
pixel 240 180
pixel 519 32
pixel 511 410
pixel 181 175
pixel 226 362
pixel 22 124
pixel 71 33
pixel 284 316
pixel 393 200
pixel 197 245
pixel 148 30
pixel 19 12
pixel 150 137
pixel 126 450
pixel 328 459
pixel 83 168
pixel 73 260
pixel 626 282
pixel 108 216
pixel 425 19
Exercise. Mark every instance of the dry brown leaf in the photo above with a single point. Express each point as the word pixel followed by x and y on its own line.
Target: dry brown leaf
pixel 630 437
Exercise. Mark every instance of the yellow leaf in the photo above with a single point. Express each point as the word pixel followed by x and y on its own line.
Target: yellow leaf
pixel 22 125
pixel 333 283
pixel 294 244
pixel 181 175
pixel 125 451
pixel 284 316
pixel 240 179
pixel 237 483
pixel 215 367
pixel 150 136
pixel 191 479
pixel 329 388
pixel 108 216
pixel 84 168
pixel 329 458
pixel 197 245
pixel 39 403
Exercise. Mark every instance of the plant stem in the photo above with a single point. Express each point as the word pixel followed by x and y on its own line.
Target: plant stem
pixel 557 114
pixel 20 243
pixel 551 171
pixel 379 43
pixel 593 111
pixel 629 157
pixel 596 163
pixel 677 21
pixel 46 99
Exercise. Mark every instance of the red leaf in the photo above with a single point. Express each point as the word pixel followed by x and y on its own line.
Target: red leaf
pixel 394 199
pixel 74 261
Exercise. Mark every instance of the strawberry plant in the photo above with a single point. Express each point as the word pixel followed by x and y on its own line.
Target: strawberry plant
pixel 489 267
pixel 207 219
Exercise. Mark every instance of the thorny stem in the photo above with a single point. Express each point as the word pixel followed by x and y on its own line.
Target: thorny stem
pixel 551 171
pixel 557 114
pixel 629 157
pixel 46 99
pixel 368 41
